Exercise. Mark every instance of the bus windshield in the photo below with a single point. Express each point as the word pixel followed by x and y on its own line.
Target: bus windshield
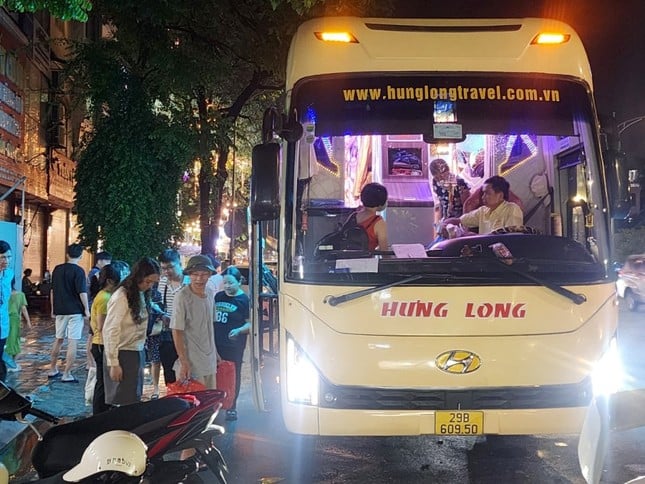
pixel 536 131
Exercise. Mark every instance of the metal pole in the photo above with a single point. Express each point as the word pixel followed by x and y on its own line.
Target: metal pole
pixel 232 216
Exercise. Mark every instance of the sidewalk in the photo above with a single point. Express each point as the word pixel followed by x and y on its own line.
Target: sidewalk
pixel 65 400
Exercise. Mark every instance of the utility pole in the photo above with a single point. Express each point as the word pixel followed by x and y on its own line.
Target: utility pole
pixel 634 186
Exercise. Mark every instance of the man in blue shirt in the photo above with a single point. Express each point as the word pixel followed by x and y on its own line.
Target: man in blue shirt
pixel 6 276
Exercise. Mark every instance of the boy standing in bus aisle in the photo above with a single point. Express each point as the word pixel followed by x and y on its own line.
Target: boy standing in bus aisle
pixel 172 280
pixel 495 213
pixel 374 199
pixel 192 327
pixel 232 311
pixel 449 192
pixel 17 313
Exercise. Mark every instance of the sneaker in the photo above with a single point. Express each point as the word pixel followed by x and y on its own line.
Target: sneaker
pixel 15 368
pixel 231 414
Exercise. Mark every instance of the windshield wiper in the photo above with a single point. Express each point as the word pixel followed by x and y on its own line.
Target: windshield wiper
pixel 563 291
pixel 503 257
pixel 336 300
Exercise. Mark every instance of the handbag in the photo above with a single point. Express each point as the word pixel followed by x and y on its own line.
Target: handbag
pixel 90 383
pixel 226 382
pixel 156 328
pixel 189 385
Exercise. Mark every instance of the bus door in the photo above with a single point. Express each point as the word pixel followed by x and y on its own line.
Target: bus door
pixel 263 286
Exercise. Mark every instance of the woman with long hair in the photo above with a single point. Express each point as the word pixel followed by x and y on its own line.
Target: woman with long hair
pixel 124 334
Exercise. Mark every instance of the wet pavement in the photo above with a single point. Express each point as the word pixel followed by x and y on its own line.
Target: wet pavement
pixel 61 399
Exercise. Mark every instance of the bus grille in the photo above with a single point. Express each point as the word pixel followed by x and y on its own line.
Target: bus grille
pixel 507 398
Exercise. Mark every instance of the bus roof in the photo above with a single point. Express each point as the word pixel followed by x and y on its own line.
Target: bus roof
pixel 435 45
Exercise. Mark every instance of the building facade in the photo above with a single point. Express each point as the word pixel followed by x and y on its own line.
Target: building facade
pixel 39 135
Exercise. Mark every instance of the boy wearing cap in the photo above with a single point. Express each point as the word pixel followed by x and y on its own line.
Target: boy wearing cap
pixel 192 324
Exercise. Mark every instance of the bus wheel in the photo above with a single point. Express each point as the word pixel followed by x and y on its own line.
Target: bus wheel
pixel 630 299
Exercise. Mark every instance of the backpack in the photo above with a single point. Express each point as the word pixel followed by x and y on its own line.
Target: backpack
pixel 348 236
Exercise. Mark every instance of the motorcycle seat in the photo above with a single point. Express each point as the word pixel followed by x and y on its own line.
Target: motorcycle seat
pixel 63 445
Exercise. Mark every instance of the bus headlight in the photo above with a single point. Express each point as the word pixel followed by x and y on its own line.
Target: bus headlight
pixel 607 376
pixel 302 376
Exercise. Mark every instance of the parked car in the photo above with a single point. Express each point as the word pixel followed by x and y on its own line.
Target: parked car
pixel 631 281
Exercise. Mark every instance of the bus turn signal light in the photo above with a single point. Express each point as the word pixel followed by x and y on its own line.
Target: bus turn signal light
pixel 336 37
pixel 551 38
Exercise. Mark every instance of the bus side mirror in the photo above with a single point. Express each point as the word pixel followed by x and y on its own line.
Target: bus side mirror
pixel 265 202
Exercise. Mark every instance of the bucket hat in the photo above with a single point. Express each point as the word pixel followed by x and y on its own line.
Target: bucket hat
pixel 199 263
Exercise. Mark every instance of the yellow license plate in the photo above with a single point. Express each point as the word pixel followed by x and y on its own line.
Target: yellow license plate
pixel 458 423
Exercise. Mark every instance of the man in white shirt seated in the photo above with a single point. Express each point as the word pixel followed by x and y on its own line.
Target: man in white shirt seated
pixel 495 213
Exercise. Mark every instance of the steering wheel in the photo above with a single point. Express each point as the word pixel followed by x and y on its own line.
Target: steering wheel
pixel 516 229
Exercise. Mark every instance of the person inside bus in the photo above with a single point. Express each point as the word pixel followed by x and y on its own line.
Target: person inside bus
pixel 448 191
pixel 374 199
pixel 495 213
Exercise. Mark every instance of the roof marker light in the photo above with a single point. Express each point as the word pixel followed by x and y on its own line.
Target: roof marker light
pixel 336 37
pixel 551 38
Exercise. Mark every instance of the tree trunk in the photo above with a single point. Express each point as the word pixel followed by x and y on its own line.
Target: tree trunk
pixel 208 232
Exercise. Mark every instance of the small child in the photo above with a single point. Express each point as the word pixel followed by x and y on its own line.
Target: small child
pixel 17 312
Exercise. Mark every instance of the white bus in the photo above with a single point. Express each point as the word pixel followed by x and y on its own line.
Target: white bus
pixel 428 336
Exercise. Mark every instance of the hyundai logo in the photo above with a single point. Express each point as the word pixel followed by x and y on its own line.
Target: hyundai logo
pixel 458 362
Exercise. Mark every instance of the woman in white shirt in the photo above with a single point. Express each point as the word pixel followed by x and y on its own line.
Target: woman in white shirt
pixel 124 334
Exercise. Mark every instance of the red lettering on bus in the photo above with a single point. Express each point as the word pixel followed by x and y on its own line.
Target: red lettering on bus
pixel 441 310
pixel 496 310
pixel 418 309
pixel 424 309
pixel 389 309
pixel 519 311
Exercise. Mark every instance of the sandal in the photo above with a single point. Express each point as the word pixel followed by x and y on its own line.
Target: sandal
pixel 231 414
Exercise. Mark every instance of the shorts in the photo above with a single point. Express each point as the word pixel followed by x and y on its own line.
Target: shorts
pixel 69 326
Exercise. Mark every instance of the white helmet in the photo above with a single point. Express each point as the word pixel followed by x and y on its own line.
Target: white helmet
pixel 117 450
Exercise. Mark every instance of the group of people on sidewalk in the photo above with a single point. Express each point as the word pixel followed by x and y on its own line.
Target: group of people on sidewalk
pixel 184 320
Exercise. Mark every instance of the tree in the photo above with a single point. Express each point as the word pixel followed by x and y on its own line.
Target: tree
pixel 130 164
pixel 63 9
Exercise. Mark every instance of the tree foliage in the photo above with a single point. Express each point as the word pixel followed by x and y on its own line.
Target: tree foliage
pixel 63 9
pixel 130 166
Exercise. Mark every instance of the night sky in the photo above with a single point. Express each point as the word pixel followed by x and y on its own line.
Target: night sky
pixel 613 32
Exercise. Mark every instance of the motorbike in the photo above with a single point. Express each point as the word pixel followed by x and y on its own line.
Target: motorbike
pixel 166 426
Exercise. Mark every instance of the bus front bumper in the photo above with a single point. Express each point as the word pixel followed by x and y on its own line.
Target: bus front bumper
pixel 308 420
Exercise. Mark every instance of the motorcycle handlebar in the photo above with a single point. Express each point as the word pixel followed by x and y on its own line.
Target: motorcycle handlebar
pixel 43 415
